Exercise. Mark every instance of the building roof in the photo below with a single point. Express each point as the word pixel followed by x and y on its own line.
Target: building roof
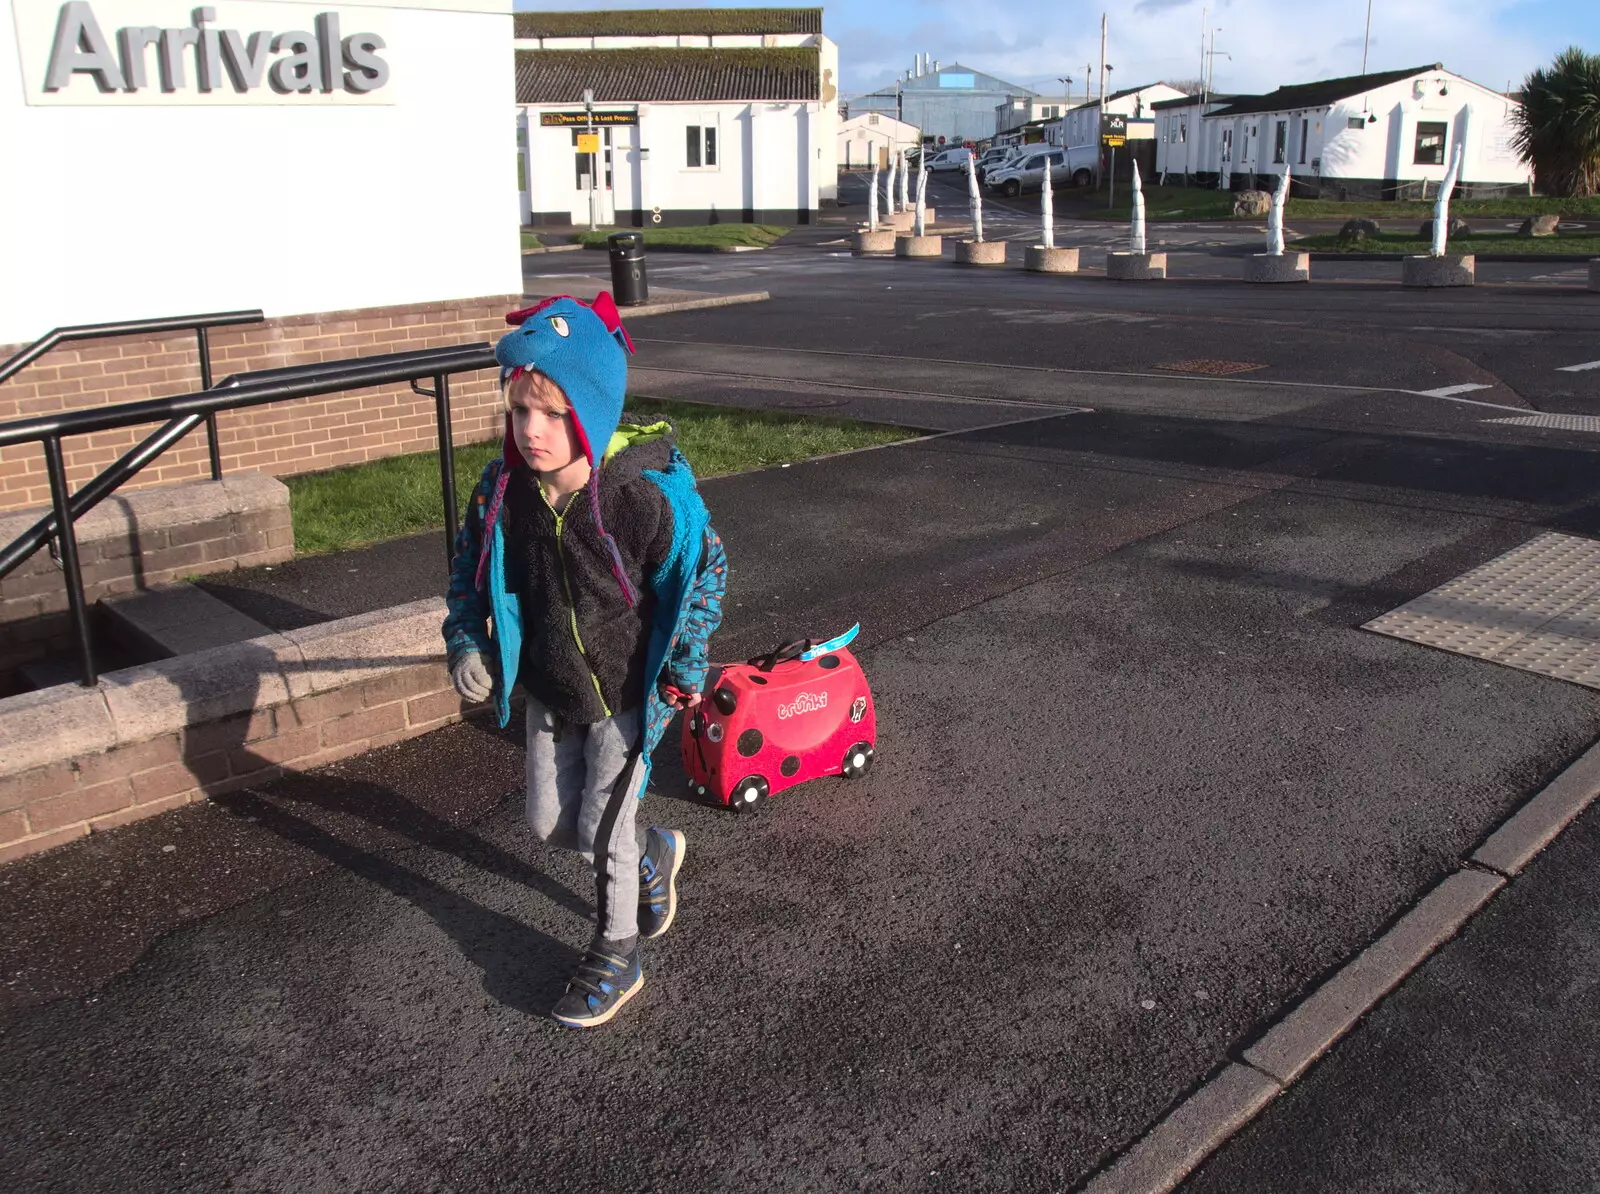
pixel 664 75
pixel 1319 94
pixel 932 82
pixel 1123 94
pixel 657 22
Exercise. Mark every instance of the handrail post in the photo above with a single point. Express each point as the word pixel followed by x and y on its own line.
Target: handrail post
pixel 67 534
pixel 211 416
pixel 447 466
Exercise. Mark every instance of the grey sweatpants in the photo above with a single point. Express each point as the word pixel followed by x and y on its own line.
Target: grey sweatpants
pixel 583 795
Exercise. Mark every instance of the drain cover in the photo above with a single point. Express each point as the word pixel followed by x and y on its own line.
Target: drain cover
pixel 1560 422
pixel 1536 608
pixel 1218 368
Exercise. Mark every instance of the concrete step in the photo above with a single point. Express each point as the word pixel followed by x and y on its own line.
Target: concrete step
pixel 177 619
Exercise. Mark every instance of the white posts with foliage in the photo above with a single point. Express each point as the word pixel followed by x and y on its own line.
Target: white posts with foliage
pixel 974 199
pixel 1275 216
pixel 872 199
pixel 919 228
pixel 1441 205
pixel 905 183
pixel 1136 230
pixel 1047 207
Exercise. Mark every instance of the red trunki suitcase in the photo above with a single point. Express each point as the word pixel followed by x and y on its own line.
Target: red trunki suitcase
pixel 791 715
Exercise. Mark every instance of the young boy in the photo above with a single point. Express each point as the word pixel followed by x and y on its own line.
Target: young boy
pixel 588 570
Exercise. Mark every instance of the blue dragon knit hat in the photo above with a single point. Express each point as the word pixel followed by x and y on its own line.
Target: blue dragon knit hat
pixel 579 346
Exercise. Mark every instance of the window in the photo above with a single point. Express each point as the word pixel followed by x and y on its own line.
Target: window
pixel 701 150
pixel 1183 131
pixel 1280 142
pixel 1227 145
pixel 1430 144
pixel 1305 135
pixel 1036 162
pixel 1355 122
pixel 873 118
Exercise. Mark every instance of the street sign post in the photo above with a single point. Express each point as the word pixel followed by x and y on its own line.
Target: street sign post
pixel 1113 132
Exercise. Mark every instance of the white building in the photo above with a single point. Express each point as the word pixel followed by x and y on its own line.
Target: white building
pixel 1387 135
pixel 167 158
pixel 703 116
pixel 875 136
pixel 1081 125
pixel 1022 110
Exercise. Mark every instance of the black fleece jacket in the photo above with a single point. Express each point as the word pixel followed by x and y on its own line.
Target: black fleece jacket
pixel 561 572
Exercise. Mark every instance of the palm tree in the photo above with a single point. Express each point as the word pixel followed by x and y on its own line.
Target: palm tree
pixel 1558 124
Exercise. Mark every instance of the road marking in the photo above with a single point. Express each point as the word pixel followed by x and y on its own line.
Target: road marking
pixel 1448 391
pixel 1578 368
pixel 1560 422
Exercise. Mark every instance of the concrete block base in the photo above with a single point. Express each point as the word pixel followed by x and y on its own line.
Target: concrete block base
pixel 901 221
pixel 981 252
pixel 1040 260
pixel 1594 274
pixel 1136 267
pixel 879 241
pixel 179 619
pixel 1282 267
pixel 1453 269
pixel 919 246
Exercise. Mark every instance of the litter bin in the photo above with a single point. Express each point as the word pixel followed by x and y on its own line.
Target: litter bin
pixel 629 286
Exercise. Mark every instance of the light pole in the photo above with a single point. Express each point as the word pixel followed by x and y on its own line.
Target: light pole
pixel 588 111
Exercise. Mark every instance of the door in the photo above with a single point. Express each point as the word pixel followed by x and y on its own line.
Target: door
pixel 1033 171
pixel 604 209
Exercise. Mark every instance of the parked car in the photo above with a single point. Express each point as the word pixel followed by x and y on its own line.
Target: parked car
pixel 993 156
pixel 950 159
pixel 999 159
pixel 1025 172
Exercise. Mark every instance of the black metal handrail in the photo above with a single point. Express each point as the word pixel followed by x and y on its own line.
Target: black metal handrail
pixel 183 412
pixel 198 324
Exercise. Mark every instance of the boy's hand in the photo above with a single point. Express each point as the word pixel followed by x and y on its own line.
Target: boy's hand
pixel 471 678
pixel 677 698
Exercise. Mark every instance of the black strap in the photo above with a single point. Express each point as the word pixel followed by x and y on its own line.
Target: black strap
pixel 783 654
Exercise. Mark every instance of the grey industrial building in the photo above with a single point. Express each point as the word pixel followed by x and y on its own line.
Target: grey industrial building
pixel 952 102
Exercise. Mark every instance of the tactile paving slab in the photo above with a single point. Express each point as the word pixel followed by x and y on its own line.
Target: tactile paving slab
pixel 1536 608
pixel 1560 422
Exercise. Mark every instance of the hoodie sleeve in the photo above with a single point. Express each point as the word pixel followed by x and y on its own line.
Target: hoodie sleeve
pixel 466 623
pixel 687 666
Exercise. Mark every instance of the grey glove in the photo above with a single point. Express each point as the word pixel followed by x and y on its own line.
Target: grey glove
pixel 471 678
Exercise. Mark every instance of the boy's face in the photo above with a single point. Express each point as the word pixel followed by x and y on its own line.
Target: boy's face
pixel 541 423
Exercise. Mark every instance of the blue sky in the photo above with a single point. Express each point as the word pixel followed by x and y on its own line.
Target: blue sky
pixel 1032 43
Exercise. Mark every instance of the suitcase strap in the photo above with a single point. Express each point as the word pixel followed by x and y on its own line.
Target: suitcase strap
pixel 765 663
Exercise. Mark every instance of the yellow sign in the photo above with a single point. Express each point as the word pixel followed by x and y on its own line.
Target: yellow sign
pixel 1115 142
pixel 588 142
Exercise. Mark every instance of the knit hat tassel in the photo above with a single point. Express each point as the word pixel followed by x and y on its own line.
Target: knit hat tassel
pixel 629 593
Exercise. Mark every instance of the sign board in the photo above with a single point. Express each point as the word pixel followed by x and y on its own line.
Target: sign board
pixel 1141 130
pixel 588 142
pixel 1113 125
pixel 1114 142
pixel 551 120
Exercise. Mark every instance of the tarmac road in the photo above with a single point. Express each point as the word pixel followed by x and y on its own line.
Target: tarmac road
pixel 1142 781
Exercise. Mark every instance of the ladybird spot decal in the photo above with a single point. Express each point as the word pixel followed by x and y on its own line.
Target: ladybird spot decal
pixel 750 743
pixel 790 765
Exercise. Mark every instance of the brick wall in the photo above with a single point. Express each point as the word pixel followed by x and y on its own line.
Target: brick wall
pixel 281 439
pixel 75 761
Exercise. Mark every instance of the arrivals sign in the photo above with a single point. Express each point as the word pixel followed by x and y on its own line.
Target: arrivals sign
pixel 118 53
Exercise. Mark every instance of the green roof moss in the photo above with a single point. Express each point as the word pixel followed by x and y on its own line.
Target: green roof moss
pixel 659 22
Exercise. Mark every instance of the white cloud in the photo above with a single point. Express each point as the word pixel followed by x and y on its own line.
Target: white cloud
pixel 1271 42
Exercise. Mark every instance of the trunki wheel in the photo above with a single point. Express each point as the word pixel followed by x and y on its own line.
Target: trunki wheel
pixel 858 760
pixel 748 794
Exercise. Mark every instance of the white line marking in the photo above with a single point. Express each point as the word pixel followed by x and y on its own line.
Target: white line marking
pixel 1449 391
pixel 1578 368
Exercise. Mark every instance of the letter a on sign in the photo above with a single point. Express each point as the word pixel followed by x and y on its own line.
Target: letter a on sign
pixel 80 46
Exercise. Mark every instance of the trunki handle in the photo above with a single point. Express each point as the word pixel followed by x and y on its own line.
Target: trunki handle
pixel 783 654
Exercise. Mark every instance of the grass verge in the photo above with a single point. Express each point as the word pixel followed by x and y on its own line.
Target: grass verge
pixel 384 499
pixel 531 241
pixel 1204 203
pixel 757 236
pixel 1587 244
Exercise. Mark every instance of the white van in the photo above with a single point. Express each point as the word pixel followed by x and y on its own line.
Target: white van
pixel 950 159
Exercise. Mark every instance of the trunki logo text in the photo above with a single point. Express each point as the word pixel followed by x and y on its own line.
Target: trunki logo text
pixel 322 63
pixel 806 702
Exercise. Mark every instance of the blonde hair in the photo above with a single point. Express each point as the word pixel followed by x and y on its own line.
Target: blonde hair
pixel 542 392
